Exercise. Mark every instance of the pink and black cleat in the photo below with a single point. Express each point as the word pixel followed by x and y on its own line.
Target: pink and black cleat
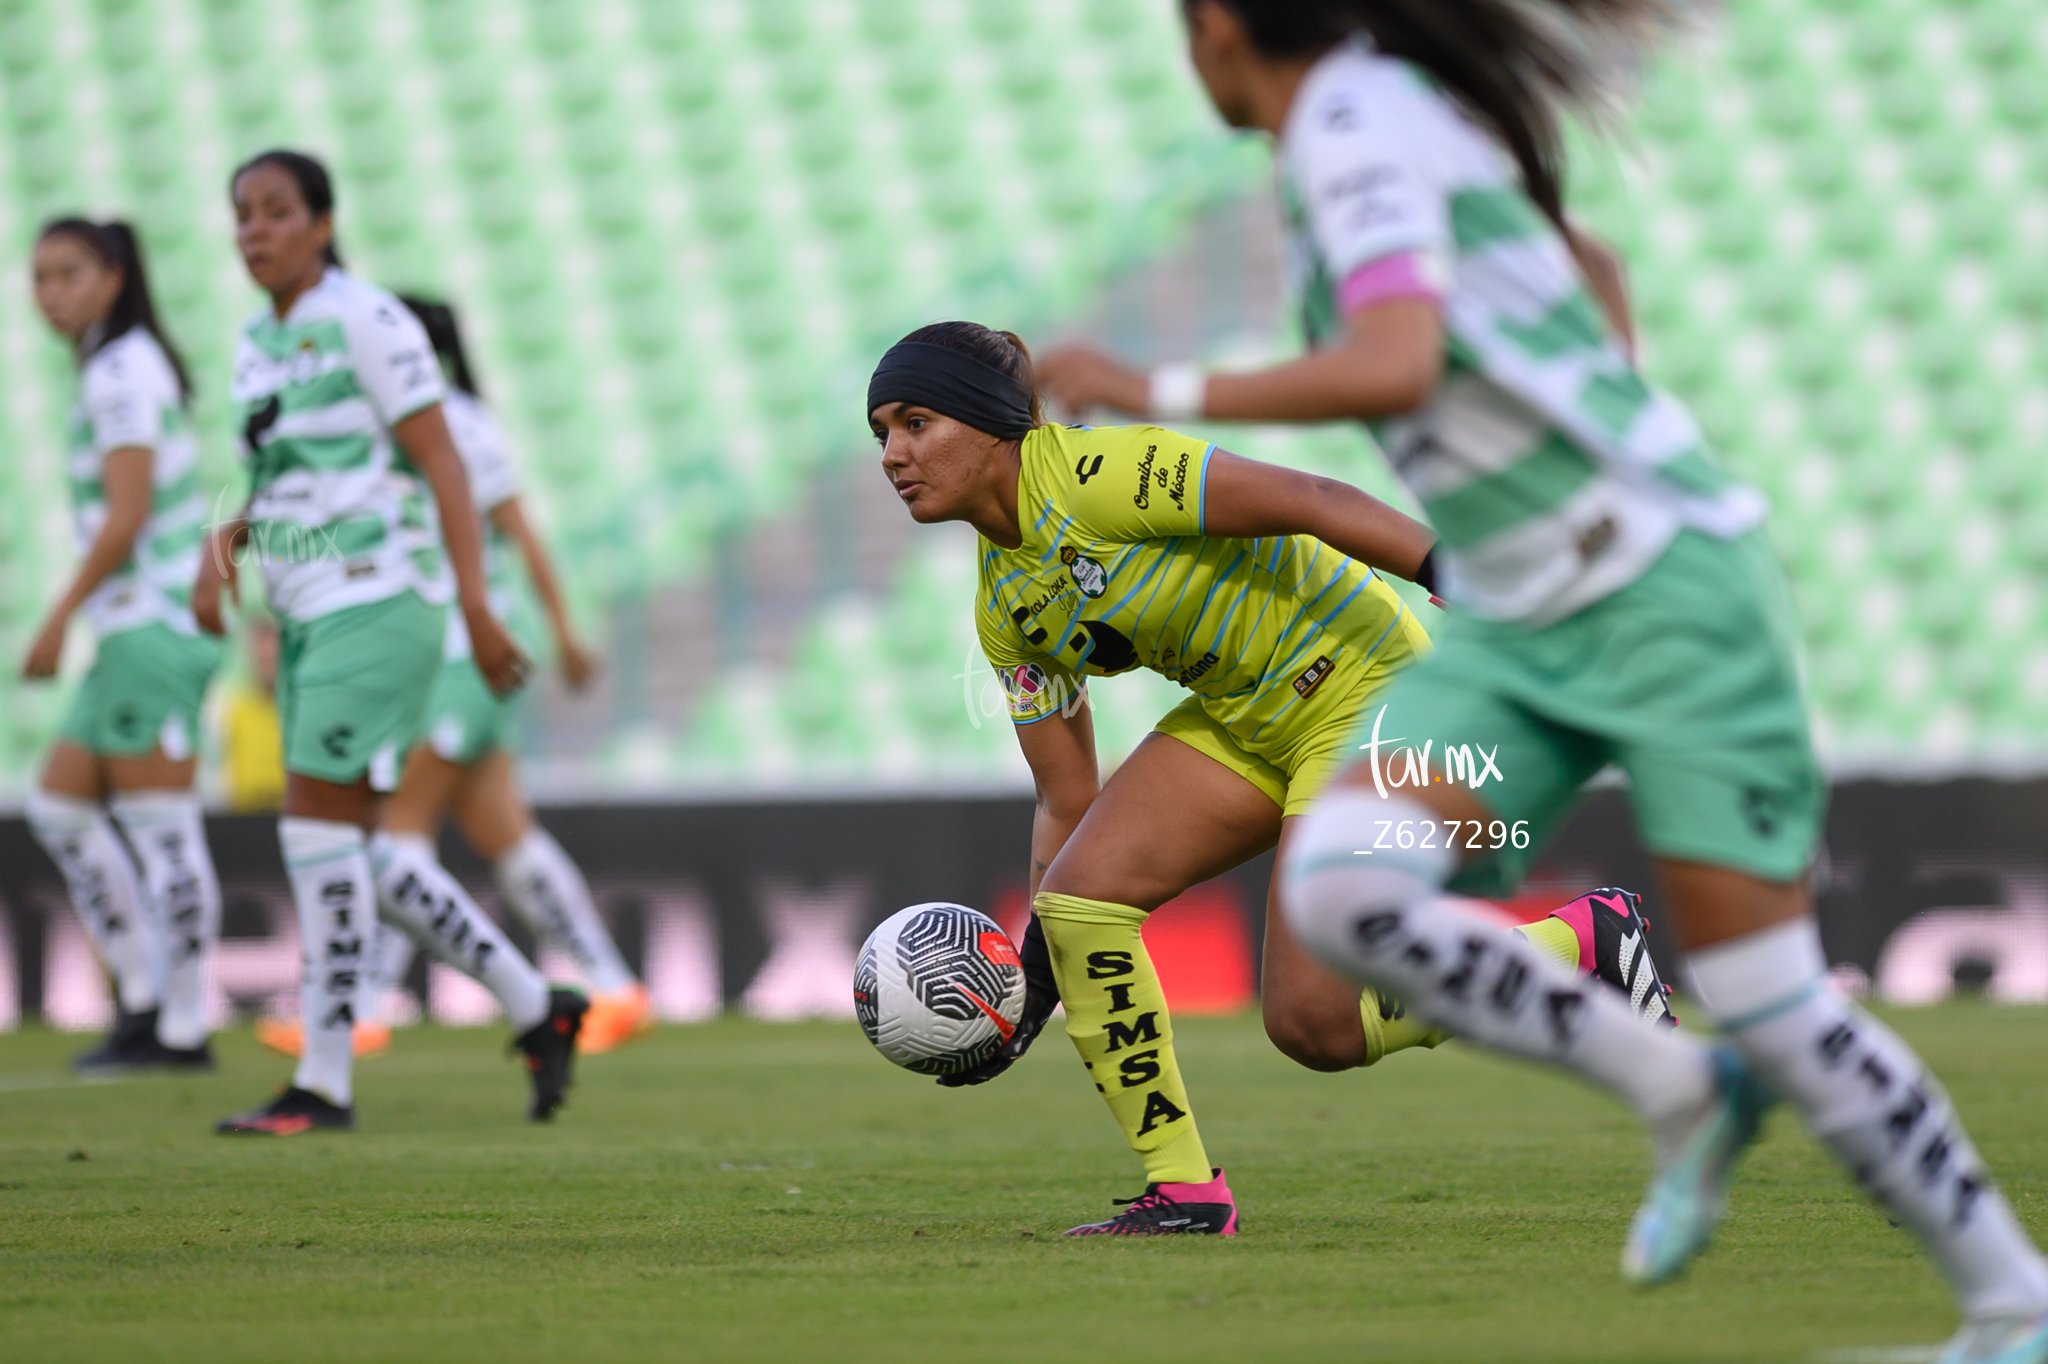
pixel 1172 1209
pixel 1614 944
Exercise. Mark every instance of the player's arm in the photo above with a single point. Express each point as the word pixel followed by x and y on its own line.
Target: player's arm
pixel 1060 749
pixel 1245 499
pixel 578 667
pixel 125 480
pixel 424 438
pixel 1388 362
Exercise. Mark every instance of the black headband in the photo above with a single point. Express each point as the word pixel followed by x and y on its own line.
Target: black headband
pixel 952 384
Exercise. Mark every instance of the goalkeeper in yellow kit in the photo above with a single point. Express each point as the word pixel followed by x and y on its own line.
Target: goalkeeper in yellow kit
pixel 1254 587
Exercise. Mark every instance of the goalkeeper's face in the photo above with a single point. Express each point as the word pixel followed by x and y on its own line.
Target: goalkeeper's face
pixel 941 468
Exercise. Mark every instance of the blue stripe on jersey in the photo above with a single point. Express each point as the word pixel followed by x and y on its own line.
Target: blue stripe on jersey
pixel 1052 544
pixel 1400 609
pixel 995 596
pixel 1158 562
pixel 1202 493
pixel 1041 518
pixel 1242 593
pixel 1203 614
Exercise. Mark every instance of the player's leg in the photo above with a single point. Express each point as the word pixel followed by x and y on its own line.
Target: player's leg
pixel 1169 818
pixel 545 888
pixel 66 815
pixel 156 807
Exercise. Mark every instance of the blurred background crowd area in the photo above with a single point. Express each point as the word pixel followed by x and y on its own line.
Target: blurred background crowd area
pixel 680 231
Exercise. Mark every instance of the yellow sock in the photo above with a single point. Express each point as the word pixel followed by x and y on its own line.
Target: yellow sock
pixel 1389 1028
pixel 1556 937
pixel 1116 1014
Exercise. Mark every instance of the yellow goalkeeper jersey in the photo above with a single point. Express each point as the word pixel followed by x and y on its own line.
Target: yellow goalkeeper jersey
pixel 1115 573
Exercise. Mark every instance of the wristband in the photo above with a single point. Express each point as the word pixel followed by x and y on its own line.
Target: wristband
pixel 1176 393
pixel 1425 574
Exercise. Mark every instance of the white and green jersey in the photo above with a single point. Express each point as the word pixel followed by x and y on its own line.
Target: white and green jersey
pixel 128 396
pixel 1553 473
pixel 493 481
pixel 338 516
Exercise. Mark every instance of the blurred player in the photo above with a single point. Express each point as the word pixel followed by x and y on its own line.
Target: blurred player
pixel 339 403
pixel 463 761
pixel 1253 587
pixel 127 746
pixel 1613 600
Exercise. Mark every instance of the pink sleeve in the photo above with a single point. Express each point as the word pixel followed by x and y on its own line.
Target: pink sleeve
pixel 1401 275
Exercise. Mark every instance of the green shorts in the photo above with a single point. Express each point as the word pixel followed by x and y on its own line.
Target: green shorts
pixel 465 719
pixel 1687 679
pixel 352 686
pixel 143 691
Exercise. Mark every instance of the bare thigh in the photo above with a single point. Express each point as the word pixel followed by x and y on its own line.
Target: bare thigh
pixel 490 807
pixel 426 789
pixel 85 775
pixel 311 798
pixel 1168 819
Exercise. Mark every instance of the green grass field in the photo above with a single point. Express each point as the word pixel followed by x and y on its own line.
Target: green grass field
pixel 748 1192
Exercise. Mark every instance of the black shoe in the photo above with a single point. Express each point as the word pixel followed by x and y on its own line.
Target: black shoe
pixel 1172 1210
pixel 550 1048
pixel 290 1113
pixel 1621 953
pixel 199 1058
pixel 130 1045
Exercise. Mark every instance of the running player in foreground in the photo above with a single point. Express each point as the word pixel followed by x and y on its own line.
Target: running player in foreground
pixel 1612 600
pixel 127 748
pixel 463 759
pixel 351 467
pixel 1252 586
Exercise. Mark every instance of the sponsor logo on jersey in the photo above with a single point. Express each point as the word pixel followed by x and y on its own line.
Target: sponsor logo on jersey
pixel 1195 671
pixel 1089 576
pixel 1312 677
pixel 1174 485
pixel 1024 681
pixel 1085 470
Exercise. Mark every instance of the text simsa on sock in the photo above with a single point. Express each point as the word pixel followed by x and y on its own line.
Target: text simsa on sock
pixel 106 891
pixel 1381 919
pixel 1116 1015
pixel 416 893
pixel 546 890
pixel 1867 1096
pixel 330 877
pixel 168 834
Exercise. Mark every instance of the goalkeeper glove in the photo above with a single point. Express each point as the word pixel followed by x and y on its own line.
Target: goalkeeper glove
pixel 1041 993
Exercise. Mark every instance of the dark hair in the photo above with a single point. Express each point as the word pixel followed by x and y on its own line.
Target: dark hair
pixel 115 244
pixel 314 186
pixel 445 334
pixel 1004 351
pixel 1514 63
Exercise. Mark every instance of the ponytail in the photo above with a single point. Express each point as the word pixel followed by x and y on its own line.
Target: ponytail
pixel 117 248
pixel 444 333
pixel 1514 63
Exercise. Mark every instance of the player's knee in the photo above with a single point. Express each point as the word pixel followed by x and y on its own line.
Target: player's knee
pixel 1338 866
pixel 1317 1043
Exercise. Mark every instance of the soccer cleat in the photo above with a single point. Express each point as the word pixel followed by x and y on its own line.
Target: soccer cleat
pixel 615 1020
pixel 368 1039
pixel 1614 945
pixel 1686 1193
pixel 1172 1209
pixel 550 1049
pixel 2006 1340
pixel 130 1045
pixel 185 1058
pixel 293 1111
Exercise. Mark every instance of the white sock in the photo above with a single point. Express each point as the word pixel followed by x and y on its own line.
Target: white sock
pixel 330 876
pixel 544 887
pixel 169 838
pixel 390 959
pixel 1871 1101
pixel 417 894
pixel 1380 918
pixel 105 891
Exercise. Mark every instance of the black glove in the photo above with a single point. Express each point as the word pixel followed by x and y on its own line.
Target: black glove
pixel 1041 993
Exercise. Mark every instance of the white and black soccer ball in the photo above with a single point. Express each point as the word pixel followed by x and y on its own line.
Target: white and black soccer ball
pixel 938 988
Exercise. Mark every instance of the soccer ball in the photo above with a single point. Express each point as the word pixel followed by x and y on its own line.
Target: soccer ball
pixel 938 988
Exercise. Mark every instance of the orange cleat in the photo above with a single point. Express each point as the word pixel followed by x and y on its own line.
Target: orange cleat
pixel 371 1039
pixel 615 1020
